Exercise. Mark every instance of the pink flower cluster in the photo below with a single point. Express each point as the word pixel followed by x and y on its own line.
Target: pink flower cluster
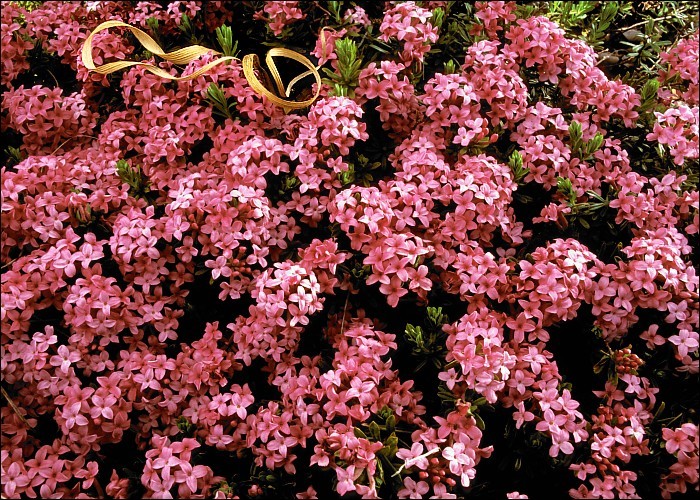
pixel 493 15
pixel 682 442
pixel 357 15
pixel 45 117
pixel 677 128
pixel 168 464
pixel 617 434
pixel 15 47
pixel 325 46
pixel 410 25
pixel 681 61
pixel 124 218
pixel 279 15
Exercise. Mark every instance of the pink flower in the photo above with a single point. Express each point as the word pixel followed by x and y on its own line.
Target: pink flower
pixel 413 489
pixel 677 440
pixel 64 358
pixel 189 475
pixel 561 443
pixel 13 478
pixel 686 341
pixel 440 491
pixel 413 456
pixel 309 494
pixel 166 459
pixel 117 487
pixel 103 406
pixel 280 14
pixel 652 337
pixel 394 291
pixel 88 474
pixel 521 416
pixel 551 422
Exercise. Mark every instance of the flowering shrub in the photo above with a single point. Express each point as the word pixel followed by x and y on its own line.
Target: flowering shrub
pixel 466 269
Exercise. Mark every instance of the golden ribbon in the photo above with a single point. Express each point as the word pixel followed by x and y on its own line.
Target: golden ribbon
pixel 188 54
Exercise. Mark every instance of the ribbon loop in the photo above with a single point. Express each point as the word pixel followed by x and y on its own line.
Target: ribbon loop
pixel 188 54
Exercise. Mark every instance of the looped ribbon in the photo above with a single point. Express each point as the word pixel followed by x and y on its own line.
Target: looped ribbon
pixel 186 55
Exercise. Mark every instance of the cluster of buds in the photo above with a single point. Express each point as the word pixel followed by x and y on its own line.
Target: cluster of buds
pixel 239 264
pixel 436 472
pixel 255 490
pixel 606 467
pixel 626 361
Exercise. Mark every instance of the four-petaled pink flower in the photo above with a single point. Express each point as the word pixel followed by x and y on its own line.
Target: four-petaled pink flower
pixel 65 358
pixel 189 475
pixel 413 489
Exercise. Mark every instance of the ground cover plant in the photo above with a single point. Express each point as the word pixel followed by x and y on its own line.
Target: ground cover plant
pixel 468 269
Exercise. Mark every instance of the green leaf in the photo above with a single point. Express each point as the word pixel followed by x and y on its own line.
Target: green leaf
pixel 438 17
pixel 374 431
pixel 450 67
pixel 378 49
pixel 391 423
pixel 224 35
pixel 219 101
pixel 479 421
pixel 575 135
pixel 594 144
pixel 379 475
pixel 152 23
pixel 15 154
pixel 648 95
pixel 334 8
pixel 565 188
pixel 660 410
pixel 185 24
pixel 391 444
pixel 515 161
pixel 349 65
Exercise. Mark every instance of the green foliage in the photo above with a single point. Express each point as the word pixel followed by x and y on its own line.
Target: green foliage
pixel 383 429
pixel 219 101
pixel 579 147
pixel 334 8
pixel 568 14
pixel 14 155
pixel 450 67
pixel 138 187
pixel 224 35
pixel 186 428
pixel 349 67
pixel 428 342
pixel 289 184
pixel 516 166
pixel 454 22
pixel 629 36
pixel 648 95
pixel 566 189
pixel 154 26
pixel 186 26
pixel 580 211
pixel 189 30
pixel 438 17
pixel 359 172
pixel 29 5
pixel 602 22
